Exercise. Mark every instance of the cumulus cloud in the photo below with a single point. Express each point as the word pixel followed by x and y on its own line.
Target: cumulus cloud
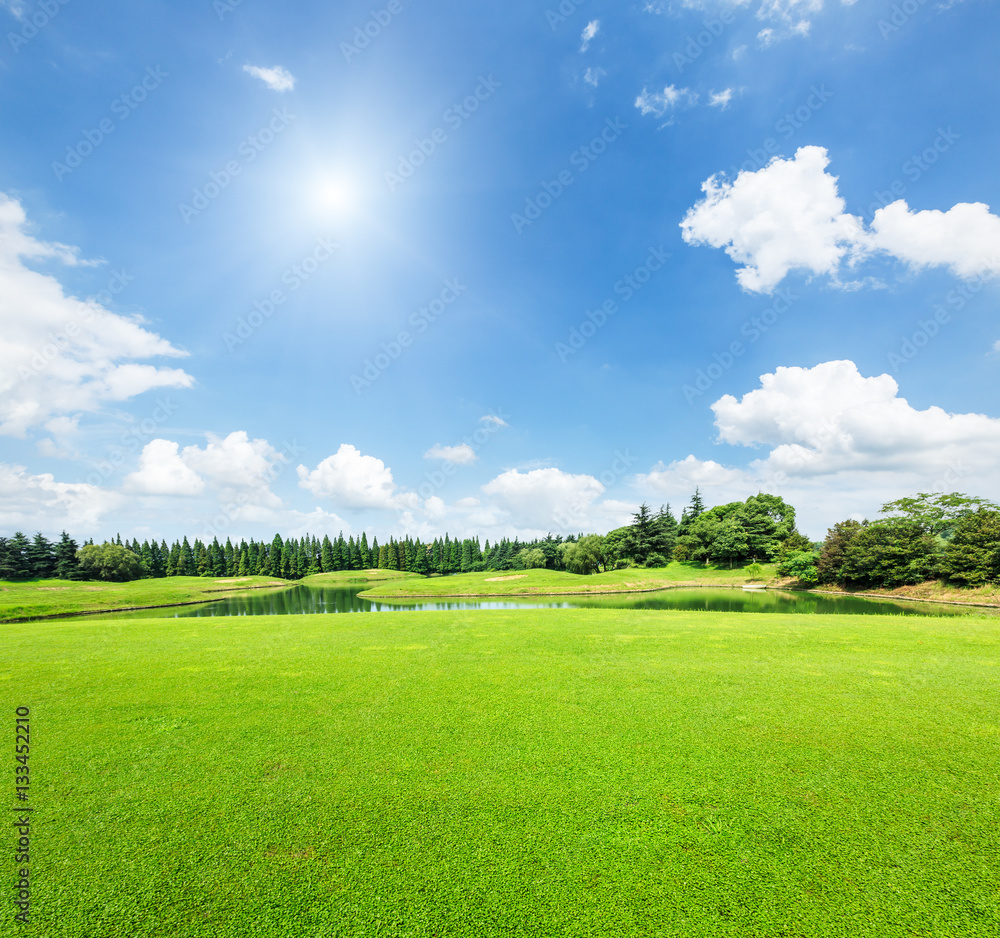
pixel 545 498
pixel 351 479
pixel 789 216
pixel 966 238
pixel 658 103
pixel 231 467
pixel 838 441
pixel 60 355
pixel 589 32
pixel 276 78
pixel 462 453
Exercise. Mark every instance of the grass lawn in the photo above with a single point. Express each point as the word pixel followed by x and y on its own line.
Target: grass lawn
pixel 529 773
pixel 31 598
pixel 354 577
pixel 553 582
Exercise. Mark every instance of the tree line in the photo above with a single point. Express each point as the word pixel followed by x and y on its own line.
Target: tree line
pixel 954 536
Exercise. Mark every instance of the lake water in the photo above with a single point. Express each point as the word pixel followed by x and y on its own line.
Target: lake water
pixel 310 600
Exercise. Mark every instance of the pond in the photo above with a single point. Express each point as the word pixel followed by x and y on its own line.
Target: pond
pixel 310 600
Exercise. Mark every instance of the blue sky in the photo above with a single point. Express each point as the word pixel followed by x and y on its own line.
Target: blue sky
pixel 416 268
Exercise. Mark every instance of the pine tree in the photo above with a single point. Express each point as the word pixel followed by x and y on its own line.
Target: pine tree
pixel 41 557
pixel 18 558
pixel 186 565
pixel 67 563
pixel 326 555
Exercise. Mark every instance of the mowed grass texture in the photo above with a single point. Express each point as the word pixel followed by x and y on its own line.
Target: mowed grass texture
pixel 566 772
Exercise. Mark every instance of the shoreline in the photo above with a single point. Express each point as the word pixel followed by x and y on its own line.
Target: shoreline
pixel 186 602
pixel 512 596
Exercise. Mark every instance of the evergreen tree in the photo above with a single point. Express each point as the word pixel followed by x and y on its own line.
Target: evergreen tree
pixel 67 563
pixel 326 555
pixel 186 565
pixel 18 557
pixel 41 557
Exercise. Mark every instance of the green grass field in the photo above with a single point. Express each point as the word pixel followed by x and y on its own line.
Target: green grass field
pixel 31 598
pixel 553 582
pixel 566 772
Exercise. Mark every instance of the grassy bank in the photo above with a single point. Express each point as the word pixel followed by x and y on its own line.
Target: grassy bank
pixel 25 600
pixel 554 582
pixel 355 577
pixel 934 591
pixel 584 772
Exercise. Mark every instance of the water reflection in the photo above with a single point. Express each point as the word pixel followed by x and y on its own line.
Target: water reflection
pixel 310 600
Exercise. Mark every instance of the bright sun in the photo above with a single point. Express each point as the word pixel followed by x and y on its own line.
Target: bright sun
pixel 337 195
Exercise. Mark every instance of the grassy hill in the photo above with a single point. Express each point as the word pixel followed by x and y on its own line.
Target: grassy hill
pixel 554 582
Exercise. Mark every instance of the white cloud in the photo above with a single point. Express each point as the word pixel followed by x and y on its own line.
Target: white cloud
pixel 789 216
pixel 720 98
pixel 966 238
pixel 839 444
pixel 784 216
pixel 658 103
pixel 462 453
pixel 37 502
pixel 354 480
pixel 162 472
pixel 589 32
pixel 276 78
pixel 593 76
pixel 60 355
pixel 545 498
pixel 493 420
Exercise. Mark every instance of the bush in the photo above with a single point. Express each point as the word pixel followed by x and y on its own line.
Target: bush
pixel 109 562
pixel 755 572
pixel 656 560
